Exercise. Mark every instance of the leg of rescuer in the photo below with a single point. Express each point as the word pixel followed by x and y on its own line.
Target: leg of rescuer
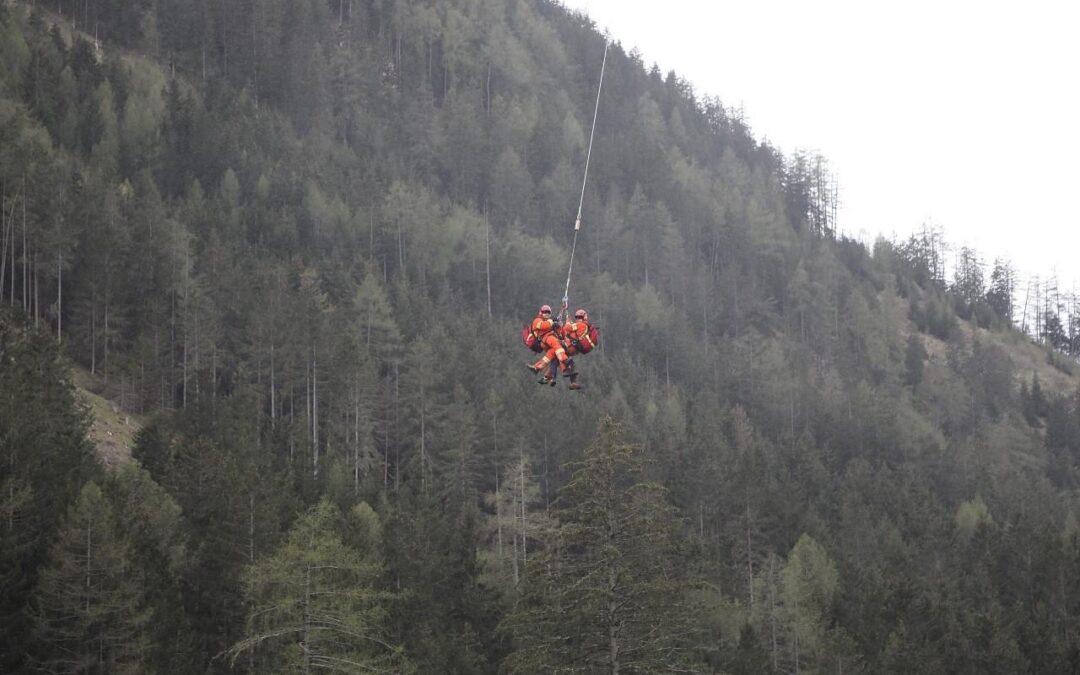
pixel 555 351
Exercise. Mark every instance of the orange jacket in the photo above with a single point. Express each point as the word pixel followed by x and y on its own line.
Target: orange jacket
pixel 541 327
pixel 577 331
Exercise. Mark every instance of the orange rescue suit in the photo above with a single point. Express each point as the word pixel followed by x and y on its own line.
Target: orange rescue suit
pixel 576 332
pixel 545 331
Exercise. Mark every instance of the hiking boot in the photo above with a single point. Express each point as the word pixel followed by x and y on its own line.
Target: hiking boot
pixel 574 386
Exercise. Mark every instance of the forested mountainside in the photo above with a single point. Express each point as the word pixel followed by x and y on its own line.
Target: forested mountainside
pixel 301 236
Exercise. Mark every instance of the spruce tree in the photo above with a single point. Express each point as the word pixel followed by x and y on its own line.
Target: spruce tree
pixel 88 609
pixel 605 595
pixel 44 458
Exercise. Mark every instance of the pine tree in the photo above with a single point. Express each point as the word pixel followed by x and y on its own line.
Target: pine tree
pixel 44 459
pixel 88 606
pixel 151 523
pixel 1000 294
pixel 914 360
pixel 605 594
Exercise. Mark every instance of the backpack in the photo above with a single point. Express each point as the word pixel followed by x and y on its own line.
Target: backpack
pixel 589 342
pixel 530 339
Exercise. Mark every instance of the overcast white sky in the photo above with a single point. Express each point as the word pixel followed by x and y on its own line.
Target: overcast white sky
pixel 958 113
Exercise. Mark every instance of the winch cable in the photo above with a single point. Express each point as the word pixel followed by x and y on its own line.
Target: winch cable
pixel 584 182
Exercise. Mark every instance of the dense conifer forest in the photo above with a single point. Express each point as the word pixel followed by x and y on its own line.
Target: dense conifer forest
pixel 297 239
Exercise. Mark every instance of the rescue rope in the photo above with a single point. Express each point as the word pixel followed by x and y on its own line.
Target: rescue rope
pixel 584 181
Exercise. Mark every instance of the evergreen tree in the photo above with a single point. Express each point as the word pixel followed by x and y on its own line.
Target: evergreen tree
pixel 88 606
pixel 150 523
pixel 1000 293
pixel 44 459
pixel 605 594
pixel 377 176
pixel 914 360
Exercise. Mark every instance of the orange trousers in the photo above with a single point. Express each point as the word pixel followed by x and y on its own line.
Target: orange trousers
pixel 554 351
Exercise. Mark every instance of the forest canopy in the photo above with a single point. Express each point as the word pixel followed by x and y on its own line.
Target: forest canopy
pixel 298 240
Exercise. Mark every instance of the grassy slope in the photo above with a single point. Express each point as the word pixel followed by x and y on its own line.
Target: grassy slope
pixel 112 430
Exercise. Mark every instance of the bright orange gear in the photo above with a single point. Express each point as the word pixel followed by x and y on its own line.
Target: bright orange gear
pixel 555 350
pixel 574 331
pixel 542 326
pixel 544 329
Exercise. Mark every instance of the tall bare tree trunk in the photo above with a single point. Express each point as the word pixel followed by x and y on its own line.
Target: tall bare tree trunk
pixel 307 620
pixel 749 554
pixel 213 376
pixel 423 433
pixel 59 292
pixel 487 87
pixel 25 257
pixel 498 512
pixel 251 528
pixel 487 244
pixel 89 557
pixel 37 286
pixel 356 437
pixel 772 613
pixel 273 401
pixel 196 356
pixel 11 247
pixel 524 536
pixel 514 561
pixel 3 238
pixel 11 294
pixel 184 375
pixel 498 500
pixel 315 412
pixel 93 334
pixel 613 632
pixel 161 374
pixel 397 421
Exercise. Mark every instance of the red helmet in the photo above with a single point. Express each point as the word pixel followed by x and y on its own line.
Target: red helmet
pixel 581 314
pixel 545 309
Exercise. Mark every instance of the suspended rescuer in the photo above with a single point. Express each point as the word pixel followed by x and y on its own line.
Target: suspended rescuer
pixel 543 337
pixel 578 337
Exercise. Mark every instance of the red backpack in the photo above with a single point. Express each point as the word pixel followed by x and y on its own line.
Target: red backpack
pixel 530 339
pixel 589 342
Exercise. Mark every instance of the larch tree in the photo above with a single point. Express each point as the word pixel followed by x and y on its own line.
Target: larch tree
pixel 808 585
pixel 315 601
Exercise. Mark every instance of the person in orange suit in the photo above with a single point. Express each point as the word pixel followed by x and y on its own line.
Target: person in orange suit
pixel 574 335
pixel 547 333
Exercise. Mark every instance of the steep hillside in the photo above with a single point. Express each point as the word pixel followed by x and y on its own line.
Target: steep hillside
pixel 304 236
pixel 112 430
